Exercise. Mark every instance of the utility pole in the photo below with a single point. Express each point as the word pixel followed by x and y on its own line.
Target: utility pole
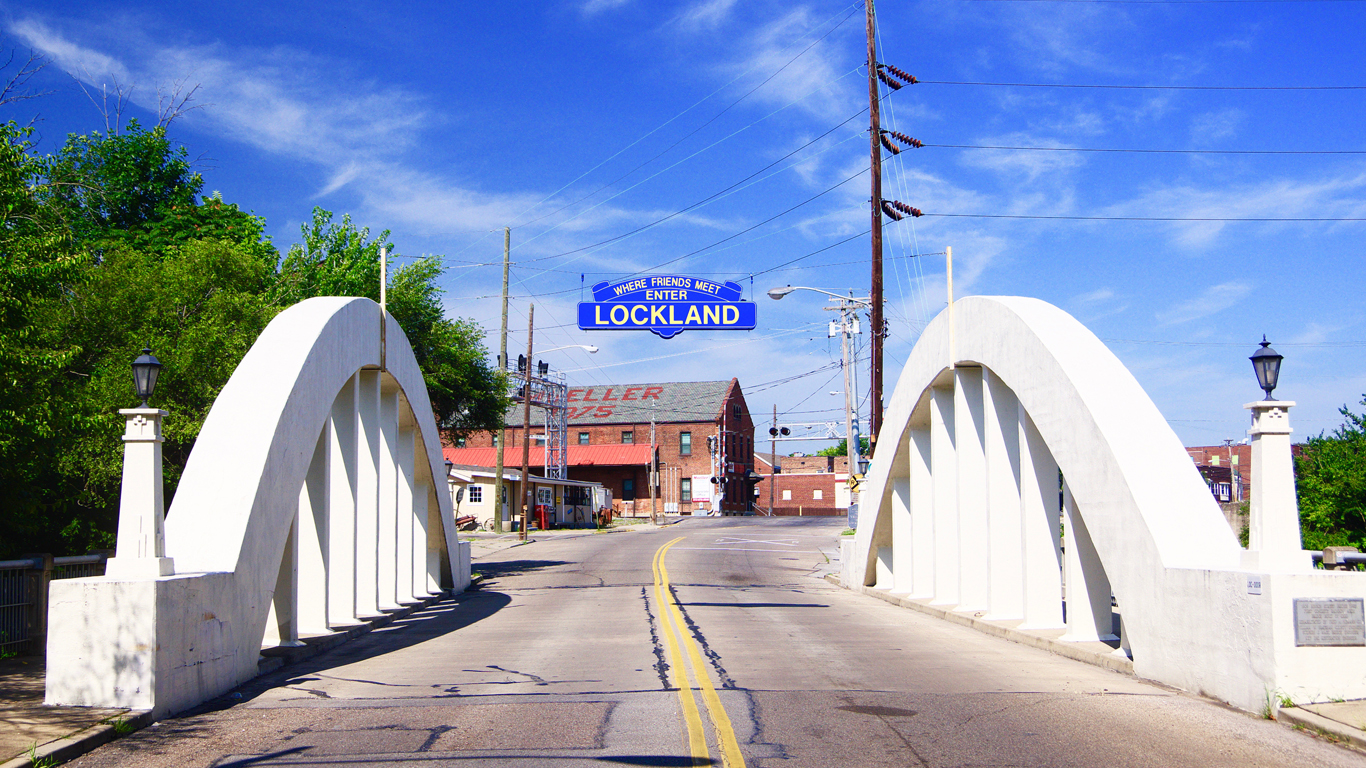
pixel 654 469
pixel 874 136
pixel 526 422
pixel 773 466
pixel 502 366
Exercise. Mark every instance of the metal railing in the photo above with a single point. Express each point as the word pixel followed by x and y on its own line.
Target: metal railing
pixel 23 596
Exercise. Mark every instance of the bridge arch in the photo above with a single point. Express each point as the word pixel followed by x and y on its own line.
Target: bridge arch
pixel 1012 423
pixel 315 496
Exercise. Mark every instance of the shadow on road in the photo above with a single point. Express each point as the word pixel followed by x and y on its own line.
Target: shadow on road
pixel 442 618
pixel 494 569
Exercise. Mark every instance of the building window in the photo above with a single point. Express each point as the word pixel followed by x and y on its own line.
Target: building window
pixel 685 489
pixel 583 438
pixel 628 490
pixel 628 437
pixel 476 494
pixel 684 443
pixel 496 438
pixel 735 411
pixel 787 495
pixel 816 494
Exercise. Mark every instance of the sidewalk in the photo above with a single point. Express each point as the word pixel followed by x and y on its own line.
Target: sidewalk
pixel 63 733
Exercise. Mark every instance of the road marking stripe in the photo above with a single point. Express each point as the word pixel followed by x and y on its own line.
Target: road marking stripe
pixel 730 748
pixel 740 549
pixel 697 740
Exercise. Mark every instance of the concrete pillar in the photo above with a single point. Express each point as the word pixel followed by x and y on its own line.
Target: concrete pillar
pixel 1088 589
pixel 1273 511
pixel 141 545
pixel 974 585
pixel 944 468
pixel 921 577
pixel 903 560
pixel 282 627
pixel 342 485
pixel 404 569
pixel 313 540
pixel 367 495
pixel 1002 434
pixel 436 538
pixel 421 534
pixel 1039 535
pixel 387 541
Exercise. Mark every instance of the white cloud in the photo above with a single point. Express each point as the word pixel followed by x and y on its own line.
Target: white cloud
pixel 707 14
pixel 1210 127
pixel 594 7
pixel 1029 165
pixel 1214 299
pixel 808 72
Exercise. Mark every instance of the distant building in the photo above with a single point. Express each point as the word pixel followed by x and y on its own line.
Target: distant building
pixel 1226 469
pixel 703 430
pixel 802 485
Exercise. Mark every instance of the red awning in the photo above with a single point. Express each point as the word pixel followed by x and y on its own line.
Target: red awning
pixel 579 456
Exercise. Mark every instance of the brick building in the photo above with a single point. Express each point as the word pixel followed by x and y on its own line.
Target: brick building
pixel 803 485
pixel 1226 469
pixel 703 430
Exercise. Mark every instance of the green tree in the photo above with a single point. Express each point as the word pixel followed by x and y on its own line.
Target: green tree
pixel 842 448
pixel 37 262
pixel 200 307
pixel 334 259
pixel 112 188
pixel 1330 480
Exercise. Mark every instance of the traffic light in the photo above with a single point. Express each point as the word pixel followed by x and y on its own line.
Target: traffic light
pixel 542 367
pixel 521 363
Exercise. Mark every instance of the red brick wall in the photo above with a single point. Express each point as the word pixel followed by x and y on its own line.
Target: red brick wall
pixel 803 487
pixel 737 449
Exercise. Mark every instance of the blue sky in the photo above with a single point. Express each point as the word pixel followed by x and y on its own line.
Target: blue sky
pixel 578 122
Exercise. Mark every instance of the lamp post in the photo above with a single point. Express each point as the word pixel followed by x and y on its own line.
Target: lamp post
pixel 848 308
pixel 140 550
pixel 1274 542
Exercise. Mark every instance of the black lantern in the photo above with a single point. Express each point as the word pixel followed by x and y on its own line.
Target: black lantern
pixel 450 465
pixel 145 371
pixel 1267 363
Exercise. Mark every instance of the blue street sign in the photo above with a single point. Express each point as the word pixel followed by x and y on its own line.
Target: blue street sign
pixel 666 305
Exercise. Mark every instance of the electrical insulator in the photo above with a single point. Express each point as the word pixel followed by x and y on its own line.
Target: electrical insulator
pixel 889 82
pixel 889 145
pixel 909 79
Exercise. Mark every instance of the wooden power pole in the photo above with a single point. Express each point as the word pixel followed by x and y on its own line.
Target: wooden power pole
pixel 874 135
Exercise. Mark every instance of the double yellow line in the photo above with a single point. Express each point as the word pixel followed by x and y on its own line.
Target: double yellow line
pixel 690 665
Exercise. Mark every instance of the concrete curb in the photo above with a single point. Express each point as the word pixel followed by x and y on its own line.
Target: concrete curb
pixel 1108 661
pixel 80 742
pixel 1303 718
pixel 103 732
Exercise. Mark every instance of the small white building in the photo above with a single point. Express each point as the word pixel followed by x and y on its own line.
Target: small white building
pixel 565 503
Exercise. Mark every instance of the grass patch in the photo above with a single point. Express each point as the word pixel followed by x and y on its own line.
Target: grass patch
pixel 847 532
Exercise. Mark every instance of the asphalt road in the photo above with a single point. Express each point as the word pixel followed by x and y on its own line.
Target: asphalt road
pixel 571 655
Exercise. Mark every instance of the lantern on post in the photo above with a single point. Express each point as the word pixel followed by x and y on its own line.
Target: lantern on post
pixel 145 371
pixel 1266 362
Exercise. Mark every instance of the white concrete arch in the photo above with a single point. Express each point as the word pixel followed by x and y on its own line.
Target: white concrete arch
pixel 310 383
pixel 315 496
pixel 961 505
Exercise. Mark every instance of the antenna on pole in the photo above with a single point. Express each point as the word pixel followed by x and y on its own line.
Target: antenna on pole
pixel 383 301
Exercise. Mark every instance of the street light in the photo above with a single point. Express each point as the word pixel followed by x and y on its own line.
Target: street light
pixel 1266 362
pixel 778 293
pixel 589 348
pixel 145 371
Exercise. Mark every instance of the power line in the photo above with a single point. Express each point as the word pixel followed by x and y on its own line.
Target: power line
pixel 1117 86
pixel 693 131
pixel 1163 151
pixel 1150 218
